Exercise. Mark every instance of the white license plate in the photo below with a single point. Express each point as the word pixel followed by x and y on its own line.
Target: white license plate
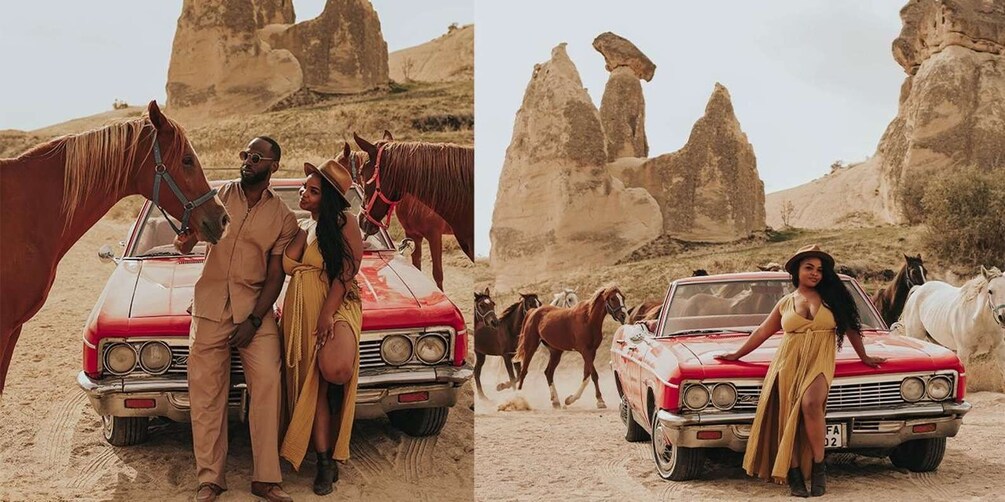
pixel 834 437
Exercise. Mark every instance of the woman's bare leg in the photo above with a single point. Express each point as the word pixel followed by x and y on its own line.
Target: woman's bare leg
pixel 322 431
pixel 813 404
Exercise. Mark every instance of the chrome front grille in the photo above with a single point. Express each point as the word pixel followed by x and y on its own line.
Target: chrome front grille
pixel 179 361
pixel 369 354
pixel 842 396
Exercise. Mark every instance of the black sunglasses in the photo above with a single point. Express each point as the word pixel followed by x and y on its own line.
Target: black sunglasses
pixel 255 157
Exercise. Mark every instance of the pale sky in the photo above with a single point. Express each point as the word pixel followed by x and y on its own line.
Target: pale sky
pixel 812 81
pixel 68 59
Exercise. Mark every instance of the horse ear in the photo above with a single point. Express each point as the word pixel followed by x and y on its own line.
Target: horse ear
pixel 486 293
pixel 387 135
pixel 308 165
pixel 346 151
pixel 156 117
pixel 985 272
pixel 365 145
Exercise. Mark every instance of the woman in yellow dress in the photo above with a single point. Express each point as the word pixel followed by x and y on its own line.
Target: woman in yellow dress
pixel 787 437
pixel 321 322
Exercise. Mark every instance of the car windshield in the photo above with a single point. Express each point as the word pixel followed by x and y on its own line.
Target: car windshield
pixel 740 305
pixel 156 237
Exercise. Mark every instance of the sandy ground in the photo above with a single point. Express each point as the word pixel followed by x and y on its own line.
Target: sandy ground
pixel 579 453
pixel 51 446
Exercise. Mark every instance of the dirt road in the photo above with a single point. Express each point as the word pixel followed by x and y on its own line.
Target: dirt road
pixel 51 446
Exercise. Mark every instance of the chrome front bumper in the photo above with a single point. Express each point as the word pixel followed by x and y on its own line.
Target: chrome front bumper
pixel 885 428
pixel 377 393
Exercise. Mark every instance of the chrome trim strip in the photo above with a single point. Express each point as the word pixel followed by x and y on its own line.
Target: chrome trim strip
pixel 932 409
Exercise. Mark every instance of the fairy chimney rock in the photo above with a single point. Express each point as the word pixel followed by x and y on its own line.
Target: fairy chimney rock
pixel 709 190
pixel 219 66
pixel 623 107
pixel 557 208
pixel 620 52
pixel 342 51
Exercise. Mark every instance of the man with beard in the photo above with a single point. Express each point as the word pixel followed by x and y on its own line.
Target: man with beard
pixel 233 307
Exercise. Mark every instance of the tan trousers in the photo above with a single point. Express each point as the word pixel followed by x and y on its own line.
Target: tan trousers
pixel 209 385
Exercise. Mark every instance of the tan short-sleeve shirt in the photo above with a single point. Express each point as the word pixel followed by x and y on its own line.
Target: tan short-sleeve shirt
pixel 237 265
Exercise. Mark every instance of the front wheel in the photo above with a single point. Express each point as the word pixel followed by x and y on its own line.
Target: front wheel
pixel 420 422
pixel 919 455
pixel 124 431
pixel 633 430
pixel 674 463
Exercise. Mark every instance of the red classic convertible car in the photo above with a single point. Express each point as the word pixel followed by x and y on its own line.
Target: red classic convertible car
pixel 674 393
pixel 412 349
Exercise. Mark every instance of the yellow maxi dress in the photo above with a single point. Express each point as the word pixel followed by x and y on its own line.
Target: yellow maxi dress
pixel 305 296
pixel 807 350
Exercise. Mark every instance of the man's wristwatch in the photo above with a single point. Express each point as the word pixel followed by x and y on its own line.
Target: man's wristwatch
pixel 255 321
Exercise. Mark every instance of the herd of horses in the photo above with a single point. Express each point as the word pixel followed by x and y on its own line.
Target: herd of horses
pixel 53 193
pixel 969 320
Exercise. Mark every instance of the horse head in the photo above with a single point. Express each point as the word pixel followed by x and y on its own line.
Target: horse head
pixel 485 310
pixel 614 303
pixel 529 301
pixel 996 293
pixel 172 177
pixel 914 270
pixel 699 273
pixel 566 298
pixel 379 197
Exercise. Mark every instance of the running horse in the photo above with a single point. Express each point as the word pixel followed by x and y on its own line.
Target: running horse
pixel 565 329
pixel 501 339
pixel 439 175
pixel 891 299
pixel 417 220
pixel 53 193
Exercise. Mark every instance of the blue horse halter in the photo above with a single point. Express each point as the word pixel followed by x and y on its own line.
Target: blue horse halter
pixel 161 172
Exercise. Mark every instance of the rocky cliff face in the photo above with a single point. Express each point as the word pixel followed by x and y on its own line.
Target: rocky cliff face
pixel 623 107
pixel 709 190
pixel 448 58
pixel 951 115
pixel 557 207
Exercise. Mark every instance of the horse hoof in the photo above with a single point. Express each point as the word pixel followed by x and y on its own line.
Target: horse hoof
pixel 557 405
pixel 601 405
pixel 569 400
pixel 502 386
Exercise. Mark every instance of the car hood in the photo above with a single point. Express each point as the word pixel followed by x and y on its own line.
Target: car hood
pixel 164 287
pixel 901 353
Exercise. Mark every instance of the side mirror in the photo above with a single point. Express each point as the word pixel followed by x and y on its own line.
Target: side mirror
pixel 106 254
pixel 406 247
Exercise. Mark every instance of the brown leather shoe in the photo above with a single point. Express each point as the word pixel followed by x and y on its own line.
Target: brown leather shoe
pixel 207 492
pixel 270 491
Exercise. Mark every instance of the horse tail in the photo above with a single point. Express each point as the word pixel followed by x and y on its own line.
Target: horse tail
pixel 530 338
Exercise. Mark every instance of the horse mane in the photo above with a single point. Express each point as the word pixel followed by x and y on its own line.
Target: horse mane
pixel 102 158
pixel 901 273
pixel 972 288
pixel 426 166
pixel 509 310
pixel 600 292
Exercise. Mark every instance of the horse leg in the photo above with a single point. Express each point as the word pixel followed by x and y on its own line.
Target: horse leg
pixel 7 352
pixel 596 384
pixel 436 254
pixel 549 373
pixel 508 362
pixel 417 254
pixel 587 374
pixel 479 362
pixel 1000 352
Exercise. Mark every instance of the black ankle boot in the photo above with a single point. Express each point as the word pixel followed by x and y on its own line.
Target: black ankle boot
pixel 797 485
pixel 327 473
pixel 819 479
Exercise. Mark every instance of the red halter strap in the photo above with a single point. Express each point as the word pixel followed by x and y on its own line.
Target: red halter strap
pixel 375 179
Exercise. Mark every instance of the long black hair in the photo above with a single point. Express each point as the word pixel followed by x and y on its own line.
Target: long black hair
pixel 836 297
pixel 335 250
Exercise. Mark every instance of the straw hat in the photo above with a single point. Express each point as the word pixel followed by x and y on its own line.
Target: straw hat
pixel 812 250
pixel 333 173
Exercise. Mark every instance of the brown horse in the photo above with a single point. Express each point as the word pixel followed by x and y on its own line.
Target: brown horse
pixel 645 311
pixel 53 193
pixel 418 220
pixel 502 339
pixel 563 329
pixel 891 299
pixel 439 175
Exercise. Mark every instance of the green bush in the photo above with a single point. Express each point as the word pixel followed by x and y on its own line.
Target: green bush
pixel 910 194
pixel 965 215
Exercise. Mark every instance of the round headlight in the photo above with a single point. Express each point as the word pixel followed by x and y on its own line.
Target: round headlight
pixel 912 389
pixel 155 357
pixel 723 396
pixel 431 349
pixel 120 359
pixel 696 397
pixel 396 349
pixel 940 387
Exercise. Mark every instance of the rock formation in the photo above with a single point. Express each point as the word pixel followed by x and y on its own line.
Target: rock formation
pixel 951 114
pixel 448 58
pixel 218 64
pixel 709 190
pixel 246 56
pixel 623 108
pixel 557 208
pixel 342 51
